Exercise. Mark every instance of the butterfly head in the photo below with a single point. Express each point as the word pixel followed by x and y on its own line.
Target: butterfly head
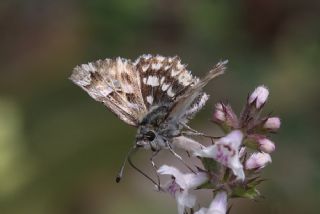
pixel 149 138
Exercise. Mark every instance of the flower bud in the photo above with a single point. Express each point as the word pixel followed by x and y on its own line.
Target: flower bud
pixel 259 96
pixel 266 145
pixel 259 142
pixel 258 160
pixel 225 116
pixel 272 123
pixel 218 114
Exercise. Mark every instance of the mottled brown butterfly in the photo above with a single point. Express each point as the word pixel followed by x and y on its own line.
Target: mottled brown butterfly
pixel 156 94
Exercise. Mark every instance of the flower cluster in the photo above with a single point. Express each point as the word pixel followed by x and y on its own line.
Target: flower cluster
pixel 232 164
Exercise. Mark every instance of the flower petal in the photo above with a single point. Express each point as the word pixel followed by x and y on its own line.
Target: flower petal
pixel 226 151
pixel 169 170
pixel 185 181
pixel 194 180
pixel 187 144
pixel 202 211
pixel 219 204
pixel 184 199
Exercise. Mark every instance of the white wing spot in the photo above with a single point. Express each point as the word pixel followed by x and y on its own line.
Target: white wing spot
pixel 197 106
pixel 144 80
pixel 160 58
pixel 175 72
pixel 153 81
pixel 185 79
pixel 145 68
pixel 146 56
pixel 150 99
pixel 167 67
pixel 170 92
pixel 165 87
pixel 156 66
pixel 162 80
pixel 180 66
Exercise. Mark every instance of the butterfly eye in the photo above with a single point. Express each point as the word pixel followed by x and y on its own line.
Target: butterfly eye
pixel 150 135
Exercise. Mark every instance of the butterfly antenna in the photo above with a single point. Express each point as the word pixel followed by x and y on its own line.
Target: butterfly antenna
pixel 128 159
pixel 120 175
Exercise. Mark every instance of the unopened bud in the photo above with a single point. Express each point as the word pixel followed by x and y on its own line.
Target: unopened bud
pixel 259 96
pixel 224 115
pixel 218 114
pixel 272 123
pixel 266 145
pixel 258 160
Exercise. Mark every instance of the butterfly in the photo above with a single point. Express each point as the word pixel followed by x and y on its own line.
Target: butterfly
pixel 156 94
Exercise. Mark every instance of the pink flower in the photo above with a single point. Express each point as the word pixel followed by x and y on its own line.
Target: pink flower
pixel 259 96
pixel 217 206
pixel 258 160
pixel 226 151
pixel 181 184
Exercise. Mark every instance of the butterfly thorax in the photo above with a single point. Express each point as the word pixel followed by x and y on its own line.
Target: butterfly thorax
pixel 156 130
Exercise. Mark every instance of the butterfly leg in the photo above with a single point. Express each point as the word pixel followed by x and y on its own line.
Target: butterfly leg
pixel 189 128
pixel 179 158
pixel 193 132
pixel 154 154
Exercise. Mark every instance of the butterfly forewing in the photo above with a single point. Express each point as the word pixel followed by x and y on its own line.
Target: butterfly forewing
pixel 116 83
pixel 133 90
pixel 163 79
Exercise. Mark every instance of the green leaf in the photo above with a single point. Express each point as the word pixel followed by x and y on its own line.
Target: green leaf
pixel 243 192
pixel 210 164
pixel 250 143
pixel 254 182
pixel 207 185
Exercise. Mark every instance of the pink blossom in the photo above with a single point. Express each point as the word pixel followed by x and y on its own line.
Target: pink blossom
pixel 226 151
pixel 181 184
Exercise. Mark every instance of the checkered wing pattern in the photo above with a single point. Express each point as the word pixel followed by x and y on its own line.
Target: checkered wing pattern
pixel 131 90
pixel 116 84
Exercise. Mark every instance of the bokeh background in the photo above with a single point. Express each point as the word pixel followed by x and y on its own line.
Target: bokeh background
pixel 60 151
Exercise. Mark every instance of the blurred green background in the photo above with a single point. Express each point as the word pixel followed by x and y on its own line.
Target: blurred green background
pixel 60 151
